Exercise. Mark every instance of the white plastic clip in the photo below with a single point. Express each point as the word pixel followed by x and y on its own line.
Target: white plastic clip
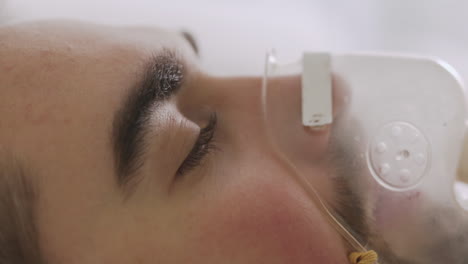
pixel 316 90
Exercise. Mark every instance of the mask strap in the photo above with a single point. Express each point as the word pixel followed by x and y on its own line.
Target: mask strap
pixel 368 257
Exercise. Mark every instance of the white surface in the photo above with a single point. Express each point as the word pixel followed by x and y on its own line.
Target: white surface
pixel 461 194
pixel 418 108
pixel 234 35
pixel 316 90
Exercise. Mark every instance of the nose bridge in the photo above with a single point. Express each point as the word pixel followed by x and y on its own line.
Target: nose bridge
pixel 243 102
pixel 237 99
pixel 270 117
pixel 239 104
pixel 244 97
pixel 239 92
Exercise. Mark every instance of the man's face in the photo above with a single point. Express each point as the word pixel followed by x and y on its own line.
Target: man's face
pixel 141 158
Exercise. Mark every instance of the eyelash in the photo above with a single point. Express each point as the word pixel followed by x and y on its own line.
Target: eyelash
pixel 202 147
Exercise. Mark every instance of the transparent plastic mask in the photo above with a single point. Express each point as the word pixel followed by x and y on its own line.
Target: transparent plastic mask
pixel 389 141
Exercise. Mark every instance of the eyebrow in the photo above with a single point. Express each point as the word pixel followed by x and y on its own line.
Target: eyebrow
pixel 162 77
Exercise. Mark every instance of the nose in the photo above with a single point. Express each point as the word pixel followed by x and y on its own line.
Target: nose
pixel 253 116
pixel 236 100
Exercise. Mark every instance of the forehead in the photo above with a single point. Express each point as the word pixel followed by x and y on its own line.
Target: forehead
pixel 54 76
pixel 74 39
pixel 46 57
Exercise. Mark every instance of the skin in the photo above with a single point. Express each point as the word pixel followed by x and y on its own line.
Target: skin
pixel 61 84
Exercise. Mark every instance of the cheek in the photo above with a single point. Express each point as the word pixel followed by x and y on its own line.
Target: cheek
pixel 267 220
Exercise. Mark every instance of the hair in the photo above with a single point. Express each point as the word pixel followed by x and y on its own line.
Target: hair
pixel 19 243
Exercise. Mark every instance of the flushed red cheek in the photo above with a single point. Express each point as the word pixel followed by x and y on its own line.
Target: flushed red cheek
pixel 268 222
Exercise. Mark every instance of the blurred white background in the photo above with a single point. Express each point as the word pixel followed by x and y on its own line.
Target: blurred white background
pixel 234 36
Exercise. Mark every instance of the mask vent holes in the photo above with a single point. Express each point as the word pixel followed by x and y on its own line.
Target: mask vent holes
pixel 403 154
pixel 398 156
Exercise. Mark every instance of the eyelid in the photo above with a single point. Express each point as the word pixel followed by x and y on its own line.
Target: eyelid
pixel 201 148
pixel 162 76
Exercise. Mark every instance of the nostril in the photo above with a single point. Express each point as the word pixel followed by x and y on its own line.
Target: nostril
pixel 191 40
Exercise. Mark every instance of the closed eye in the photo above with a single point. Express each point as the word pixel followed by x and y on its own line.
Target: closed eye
pixel 202 147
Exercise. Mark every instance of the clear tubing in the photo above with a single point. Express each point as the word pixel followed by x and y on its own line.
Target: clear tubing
pixel 396 143
pixel 309 189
